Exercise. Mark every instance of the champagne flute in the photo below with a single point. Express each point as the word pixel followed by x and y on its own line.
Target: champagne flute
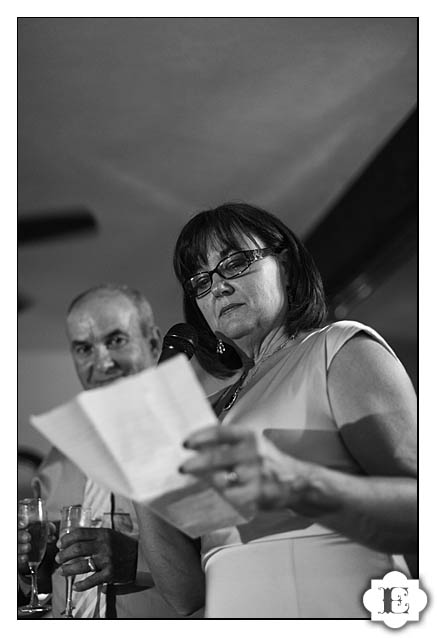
pixel 32 517
pixel 72 516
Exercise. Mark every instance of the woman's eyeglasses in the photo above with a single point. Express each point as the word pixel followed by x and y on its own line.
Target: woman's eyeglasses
pixel 228 268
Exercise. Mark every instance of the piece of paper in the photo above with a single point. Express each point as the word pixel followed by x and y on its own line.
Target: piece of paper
pixel 128 437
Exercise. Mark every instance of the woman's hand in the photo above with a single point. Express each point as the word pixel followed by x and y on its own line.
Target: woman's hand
pixel 252 474
pixel 237 464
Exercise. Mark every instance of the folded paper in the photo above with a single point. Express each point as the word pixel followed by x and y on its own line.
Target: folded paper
pixel 127 436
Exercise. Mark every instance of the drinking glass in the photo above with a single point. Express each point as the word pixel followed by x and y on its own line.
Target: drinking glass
pixel 32 517
pixel 72 516
pixel 120 522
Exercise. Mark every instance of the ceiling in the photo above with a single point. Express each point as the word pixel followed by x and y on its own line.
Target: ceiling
pixel 145 121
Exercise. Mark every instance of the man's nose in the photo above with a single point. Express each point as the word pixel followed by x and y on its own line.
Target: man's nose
pixel 103 359
pixel 221 286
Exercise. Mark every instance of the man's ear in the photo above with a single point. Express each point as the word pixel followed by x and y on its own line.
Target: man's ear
pixel 156 342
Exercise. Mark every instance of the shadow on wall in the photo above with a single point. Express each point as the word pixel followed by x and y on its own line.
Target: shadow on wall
pixel 392 310
pixel 45 380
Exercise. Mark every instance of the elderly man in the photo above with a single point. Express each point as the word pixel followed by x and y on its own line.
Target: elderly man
pixel 112 334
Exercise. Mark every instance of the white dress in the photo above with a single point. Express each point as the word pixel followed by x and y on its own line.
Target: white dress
pixel 282 565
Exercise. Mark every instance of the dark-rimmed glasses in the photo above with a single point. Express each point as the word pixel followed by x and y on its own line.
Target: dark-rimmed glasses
pixel 228 268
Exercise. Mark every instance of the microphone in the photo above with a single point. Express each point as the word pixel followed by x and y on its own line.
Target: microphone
pixel 181 338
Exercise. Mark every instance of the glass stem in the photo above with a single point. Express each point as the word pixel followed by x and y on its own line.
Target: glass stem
pixel 34 602
pixel 69 598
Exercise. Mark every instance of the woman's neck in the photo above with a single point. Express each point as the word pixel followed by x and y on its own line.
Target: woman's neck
pixel 252 352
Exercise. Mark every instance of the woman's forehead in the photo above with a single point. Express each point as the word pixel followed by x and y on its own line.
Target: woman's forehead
pixel 219 249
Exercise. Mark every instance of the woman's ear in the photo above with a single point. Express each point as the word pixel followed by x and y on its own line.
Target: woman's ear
pixel 283 258
pixel 284 262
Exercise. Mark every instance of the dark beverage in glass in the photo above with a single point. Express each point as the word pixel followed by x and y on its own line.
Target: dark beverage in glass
pixel 32 518
pixel 39 533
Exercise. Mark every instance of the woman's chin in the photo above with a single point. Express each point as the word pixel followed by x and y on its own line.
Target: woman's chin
pixel 234 335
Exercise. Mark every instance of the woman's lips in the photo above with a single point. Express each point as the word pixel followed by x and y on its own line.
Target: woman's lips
pixel 228 308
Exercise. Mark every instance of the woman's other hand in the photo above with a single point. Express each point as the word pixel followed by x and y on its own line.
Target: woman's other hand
pixel 250 472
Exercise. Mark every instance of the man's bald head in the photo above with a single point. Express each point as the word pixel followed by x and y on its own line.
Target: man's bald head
pixel 144 309
pixel 112 334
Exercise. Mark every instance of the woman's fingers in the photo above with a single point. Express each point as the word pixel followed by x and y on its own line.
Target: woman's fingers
pixel 240 486
pixel 230 460
pixel 218 457
pixel 249 485
pixel 237 477
pixel 219 448
pixel 216 435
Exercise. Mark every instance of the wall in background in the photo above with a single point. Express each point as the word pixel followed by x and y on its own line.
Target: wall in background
pixel 45 380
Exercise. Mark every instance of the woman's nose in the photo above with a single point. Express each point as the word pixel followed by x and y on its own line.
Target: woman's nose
pixel 221 286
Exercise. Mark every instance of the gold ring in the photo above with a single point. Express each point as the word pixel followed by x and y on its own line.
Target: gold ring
pixel 91 564
pixel 231 478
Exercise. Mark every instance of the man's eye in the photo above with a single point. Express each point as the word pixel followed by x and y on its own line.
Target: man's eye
pixel 117 341
pixel 82 350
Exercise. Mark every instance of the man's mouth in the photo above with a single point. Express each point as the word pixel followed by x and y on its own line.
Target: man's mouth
pixel 98 383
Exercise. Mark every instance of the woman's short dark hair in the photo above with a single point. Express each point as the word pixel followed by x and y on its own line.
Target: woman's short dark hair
pixel 223 228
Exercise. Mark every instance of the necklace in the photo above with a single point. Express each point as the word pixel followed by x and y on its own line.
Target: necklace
pixel 255 369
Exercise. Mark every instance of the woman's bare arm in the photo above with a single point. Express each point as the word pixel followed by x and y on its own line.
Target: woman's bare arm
pixel 374 405
pixel 174 561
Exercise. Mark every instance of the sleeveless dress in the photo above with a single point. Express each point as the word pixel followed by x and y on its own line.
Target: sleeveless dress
pixel 280 564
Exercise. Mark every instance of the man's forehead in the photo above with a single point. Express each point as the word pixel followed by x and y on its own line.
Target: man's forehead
pixel 101 313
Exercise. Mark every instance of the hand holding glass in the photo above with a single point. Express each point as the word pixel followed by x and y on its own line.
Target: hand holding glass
pixel 72 516
pixel 32 517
